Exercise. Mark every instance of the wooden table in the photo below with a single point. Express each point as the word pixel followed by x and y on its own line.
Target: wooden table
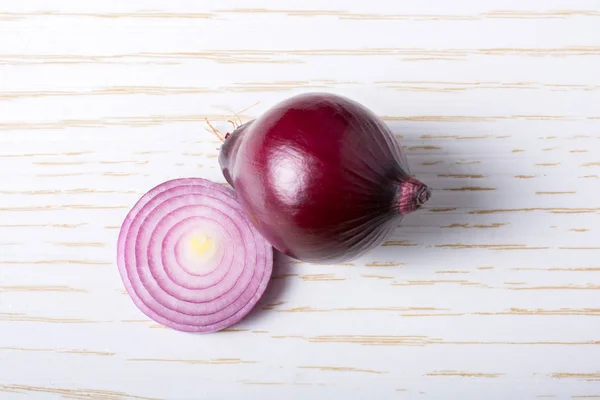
pixel 491 292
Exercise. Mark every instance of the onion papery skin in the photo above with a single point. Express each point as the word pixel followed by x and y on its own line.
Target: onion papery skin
pixel 190 259
pixel 323 178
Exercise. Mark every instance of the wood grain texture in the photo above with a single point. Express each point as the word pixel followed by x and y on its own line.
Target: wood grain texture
pixel 491 291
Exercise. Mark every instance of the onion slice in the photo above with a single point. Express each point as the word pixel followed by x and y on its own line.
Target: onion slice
pixel 189 257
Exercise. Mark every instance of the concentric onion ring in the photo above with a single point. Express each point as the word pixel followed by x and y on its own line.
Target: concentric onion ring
pixel 189 257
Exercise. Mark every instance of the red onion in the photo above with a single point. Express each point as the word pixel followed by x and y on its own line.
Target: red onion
pixel 190 259
pixel 322 177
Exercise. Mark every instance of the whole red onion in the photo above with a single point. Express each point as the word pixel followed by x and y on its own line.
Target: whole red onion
pixel 321 177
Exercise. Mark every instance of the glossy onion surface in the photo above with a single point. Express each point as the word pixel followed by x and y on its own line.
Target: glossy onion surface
pixel 321 177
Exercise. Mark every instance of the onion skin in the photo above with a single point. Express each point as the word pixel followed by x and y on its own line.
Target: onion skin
pixel 321 177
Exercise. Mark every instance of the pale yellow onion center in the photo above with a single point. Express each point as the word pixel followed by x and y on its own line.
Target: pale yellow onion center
pixel 200 244
pixel 199 252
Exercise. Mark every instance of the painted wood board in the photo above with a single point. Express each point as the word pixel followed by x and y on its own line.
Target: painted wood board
pixel 492 291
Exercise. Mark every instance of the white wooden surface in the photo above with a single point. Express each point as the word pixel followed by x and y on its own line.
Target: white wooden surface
pixel 491 292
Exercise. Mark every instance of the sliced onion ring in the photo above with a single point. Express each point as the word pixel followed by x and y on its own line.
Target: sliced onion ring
pixel 189 257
